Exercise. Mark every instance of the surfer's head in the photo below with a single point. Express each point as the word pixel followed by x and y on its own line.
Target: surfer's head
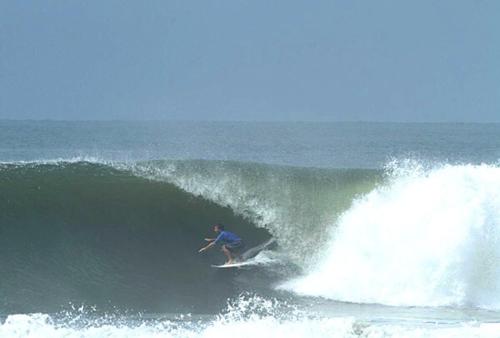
pixel 218 227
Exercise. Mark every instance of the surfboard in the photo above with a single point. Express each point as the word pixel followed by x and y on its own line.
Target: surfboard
pixel 229 266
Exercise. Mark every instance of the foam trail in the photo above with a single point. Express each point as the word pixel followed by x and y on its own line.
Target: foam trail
pixel 427 238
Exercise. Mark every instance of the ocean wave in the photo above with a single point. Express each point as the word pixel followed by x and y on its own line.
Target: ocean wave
pixel 126 234
pixel 89 233
pixel 430 236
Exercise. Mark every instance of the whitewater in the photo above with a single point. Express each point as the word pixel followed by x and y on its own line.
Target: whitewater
pixel 377 234
pixel 426 238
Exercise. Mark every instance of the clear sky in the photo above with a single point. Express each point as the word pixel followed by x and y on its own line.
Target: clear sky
pixel 251 60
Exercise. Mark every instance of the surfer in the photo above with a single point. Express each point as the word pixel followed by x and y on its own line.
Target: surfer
pixel 231 243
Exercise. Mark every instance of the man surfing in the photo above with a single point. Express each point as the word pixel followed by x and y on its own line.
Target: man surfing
pixel 231 243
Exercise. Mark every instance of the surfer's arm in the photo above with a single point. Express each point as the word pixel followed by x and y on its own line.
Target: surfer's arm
pixel 211 244
pixel 209 239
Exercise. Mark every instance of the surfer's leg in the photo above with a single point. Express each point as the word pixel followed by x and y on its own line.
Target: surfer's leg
pixel 228 254
pixel 235 250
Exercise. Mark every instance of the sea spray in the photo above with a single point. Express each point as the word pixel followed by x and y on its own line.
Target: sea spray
pixel 428 237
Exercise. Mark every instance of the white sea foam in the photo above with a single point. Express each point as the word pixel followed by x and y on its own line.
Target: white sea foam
pixel 42 326
pixel 247 316
pixel 429 237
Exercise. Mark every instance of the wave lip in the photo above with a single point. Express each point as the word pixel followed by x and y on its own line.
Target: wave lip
pixel 294 204
pixel 426 238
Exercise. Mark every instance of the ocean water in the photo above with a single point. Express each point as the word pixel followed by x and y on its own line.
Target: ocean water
pixel 380 229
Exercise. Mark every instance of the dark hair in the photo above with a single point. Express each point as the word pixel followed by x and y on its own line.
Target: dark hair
pixel 220 226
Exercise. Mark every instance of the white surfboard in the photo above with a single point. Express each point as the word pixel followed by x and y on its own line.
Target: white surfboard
pixel 233 265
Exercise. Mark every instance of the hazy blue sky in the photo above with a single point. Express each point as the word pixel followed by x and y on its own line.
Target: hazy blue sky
pixel 251 60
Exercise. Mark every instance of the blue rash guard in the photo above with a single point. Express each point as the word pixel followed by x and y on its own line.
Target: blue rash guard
pixel 227 237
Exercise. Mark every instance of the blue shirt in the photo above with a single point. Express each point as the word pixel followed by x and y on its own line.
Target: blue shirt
pixel 227 237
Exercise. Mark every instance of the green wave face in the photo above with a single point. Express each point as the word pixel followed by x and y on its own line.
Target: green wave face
pixel 127 236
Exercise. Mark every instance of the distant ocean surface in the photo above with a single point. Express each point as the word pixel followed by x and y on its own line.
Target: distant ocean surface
pixel 381 229
pixel 332 145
